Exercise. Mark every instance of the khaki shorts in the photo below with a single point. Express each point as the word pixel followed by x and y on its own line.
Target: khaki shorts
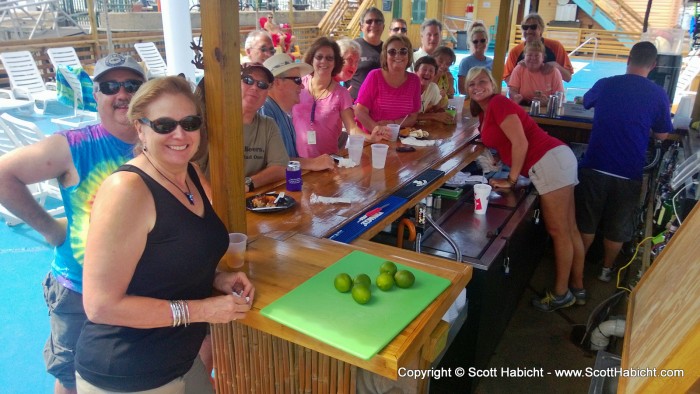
pixel 195 381
pixel 556 169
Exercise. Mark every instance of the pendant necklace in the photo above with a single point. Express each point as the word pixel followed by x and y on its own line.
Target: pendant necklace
pixel 188 193
pixel 315 98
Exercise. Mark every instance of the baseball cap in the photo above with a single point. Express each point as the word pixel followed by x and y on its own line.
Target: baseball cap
pixel 281 63
pixel 246 68
pixel 116 61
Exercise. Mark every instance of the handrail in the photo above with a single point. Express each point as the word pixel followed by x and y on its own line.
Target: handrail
pixel 593 38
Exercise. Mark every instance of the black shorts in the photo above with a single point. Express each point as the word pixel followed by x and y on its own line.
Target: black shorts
pixel 607 199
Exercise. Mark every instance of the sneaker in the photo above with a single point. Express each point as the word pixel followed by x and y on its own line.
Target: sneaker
pixel 605 274
pixel 580 295
pixel 550 302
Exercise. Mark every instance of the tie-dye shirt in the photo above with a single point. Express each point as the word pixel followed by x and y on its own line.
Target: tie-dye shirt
pixel 96 155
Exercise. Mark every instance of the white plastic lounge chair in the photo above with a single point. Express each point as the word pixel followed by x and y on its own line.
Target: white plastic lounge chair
pixel 80 117
pixel 154 61
pixel 65 55
pixel 40 191
pixel 25 79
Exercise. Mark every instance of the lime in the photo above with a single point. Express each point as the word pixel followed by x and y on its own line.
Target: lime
pixel 363 279
pixel 343 283
pixel 389 267
pixel 385 281
pixel 361 294
pixel 404 279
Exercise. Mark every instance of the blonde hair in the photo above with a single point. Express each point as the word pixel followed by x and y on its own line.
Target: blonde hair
pixel 534 46
pixel 474 72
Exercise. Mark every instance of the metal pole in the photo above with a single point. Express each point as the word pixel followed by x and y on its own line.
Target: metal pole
pixel 646 17
pixel 110 44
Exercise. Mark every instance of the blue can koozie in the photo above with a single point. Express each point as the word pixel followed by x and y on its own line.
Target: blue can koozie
pixel 294 181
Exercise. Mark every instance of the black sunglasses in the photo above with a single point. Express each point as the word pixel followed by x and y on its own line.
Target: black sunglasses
pixel 533 26
pixel 375 21
pixel 394 51
pixel 296 80
pixel 112 87
pixel 479 41
pixel 265 49
pixel 399 29
pixel 248 80
pixel 167 125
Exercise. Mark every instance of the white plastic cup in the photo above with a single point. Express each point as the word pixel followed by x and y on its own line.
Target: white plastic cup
pixel 459 104
pixel 355 145
pixel 481 198
pixel 379 155
pixel 394 128
pixel 237 243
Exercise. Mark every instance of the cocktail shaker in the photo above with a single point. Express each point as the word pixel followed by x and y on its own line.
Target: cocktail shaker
pixel 553 107
pixel 535 107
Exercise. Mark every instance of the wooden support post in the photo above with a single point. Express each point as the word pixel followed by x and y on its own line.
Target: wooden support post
pixel 502 31
pixel 220 34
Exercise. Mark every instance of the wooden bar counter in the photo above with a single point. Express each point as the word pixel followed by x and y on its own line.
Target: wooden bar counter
pixel 260 355
pixel 366 186
pixel 287 248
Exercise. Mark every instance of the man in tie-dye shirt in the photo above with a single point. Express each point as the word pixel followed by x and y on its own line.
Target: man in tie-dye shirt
pixel 80 160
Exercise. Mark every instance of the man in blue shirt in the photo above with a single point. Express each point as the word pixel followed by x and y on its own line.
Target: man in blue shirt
pixel 282 96
pixel 627 108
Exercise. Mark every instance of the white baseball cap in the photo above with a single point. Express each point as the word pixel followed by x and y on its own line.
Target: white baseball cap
pixel 281 63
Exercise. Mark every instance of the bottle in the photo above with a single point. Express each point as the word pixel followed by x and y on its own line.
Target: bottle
pixel 437 202
pixel 294 181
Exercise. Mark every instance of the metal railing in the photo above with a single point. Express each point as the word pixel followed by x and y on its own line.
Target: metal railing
pixel 593 38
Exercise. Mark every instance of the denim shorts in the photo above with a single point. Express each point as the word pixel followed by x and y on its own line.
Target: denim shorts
pixel 556 169
pixel 67 318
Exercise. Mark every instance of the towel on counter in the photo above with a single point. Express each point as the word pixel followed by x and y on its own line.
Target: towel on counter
pixel 416 142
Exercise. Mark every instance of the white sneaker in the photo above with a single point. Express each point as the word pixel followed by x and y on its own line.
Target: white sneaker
pixel 605 274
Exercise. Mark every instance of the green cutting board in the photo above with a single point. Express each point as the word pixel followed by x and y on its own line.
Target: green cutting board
pixel 318 310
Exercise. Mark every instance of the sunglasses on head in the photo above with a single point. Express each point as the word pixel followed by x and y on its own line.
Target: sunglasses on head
pixel 112 87
pixel 399 29
pixel 394 51
pixel 374 21
pixel 248 80
pixel 329 58
pixel 296 80
pixel 479 41
pixel 533 26
pixel 167 125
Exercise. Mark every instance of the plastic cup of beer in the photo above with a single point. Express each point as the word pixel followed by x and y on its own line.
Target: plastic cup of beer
pixel 481 198
pixel 379 155
pixel 237 243
pixel 394 128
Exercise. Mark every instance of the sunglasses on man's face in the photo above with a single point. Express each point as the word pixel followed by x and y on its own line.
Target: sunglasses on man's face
pixel 399 29
pixel 479 41
pixel 112 87
pixel 394 51
pixel 533 26
pixel 374 21
pixel 167 125
pixel 296 80
pixel 250 81
pixel 265 49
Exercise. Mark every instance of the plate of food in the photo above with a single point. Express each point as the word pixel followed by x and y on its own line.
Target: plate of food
pixel 269 202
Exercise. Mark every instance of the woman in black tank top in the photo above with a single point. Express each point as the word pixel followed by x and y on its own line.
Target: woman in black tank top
pixel 151 256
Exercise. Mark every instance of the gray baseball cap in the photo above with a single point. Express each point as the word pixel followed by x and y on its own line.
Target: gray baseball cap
pixel 116 61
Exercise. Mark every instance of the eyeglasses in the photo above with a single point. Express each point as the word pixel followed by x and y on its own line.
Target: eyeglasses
pixel 272 50
pixel 533 26
pixel 329 58
pixel 399 29
pixel 112 87
pixel 248 80
pixel 167 125
pixel 350 62
pixel 394 51
pixel 479 41
pixel 374 21
pixel 296 80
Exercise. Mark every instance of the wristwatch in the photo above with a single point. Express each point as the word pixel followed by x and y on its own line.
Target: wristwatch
pixel 249 183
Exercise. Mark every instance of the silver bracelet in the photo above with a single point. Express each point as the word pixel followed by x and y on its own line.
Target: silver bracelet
pixel 187 313
pixel 175 313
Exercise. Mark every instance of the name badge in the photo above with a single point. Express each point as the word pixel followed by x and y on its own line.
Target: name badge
pixel 311 137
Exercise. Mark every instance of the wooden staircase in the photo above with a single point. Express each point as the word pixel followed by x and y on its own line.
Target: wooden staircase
pixel 612 14
pixel 343 19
